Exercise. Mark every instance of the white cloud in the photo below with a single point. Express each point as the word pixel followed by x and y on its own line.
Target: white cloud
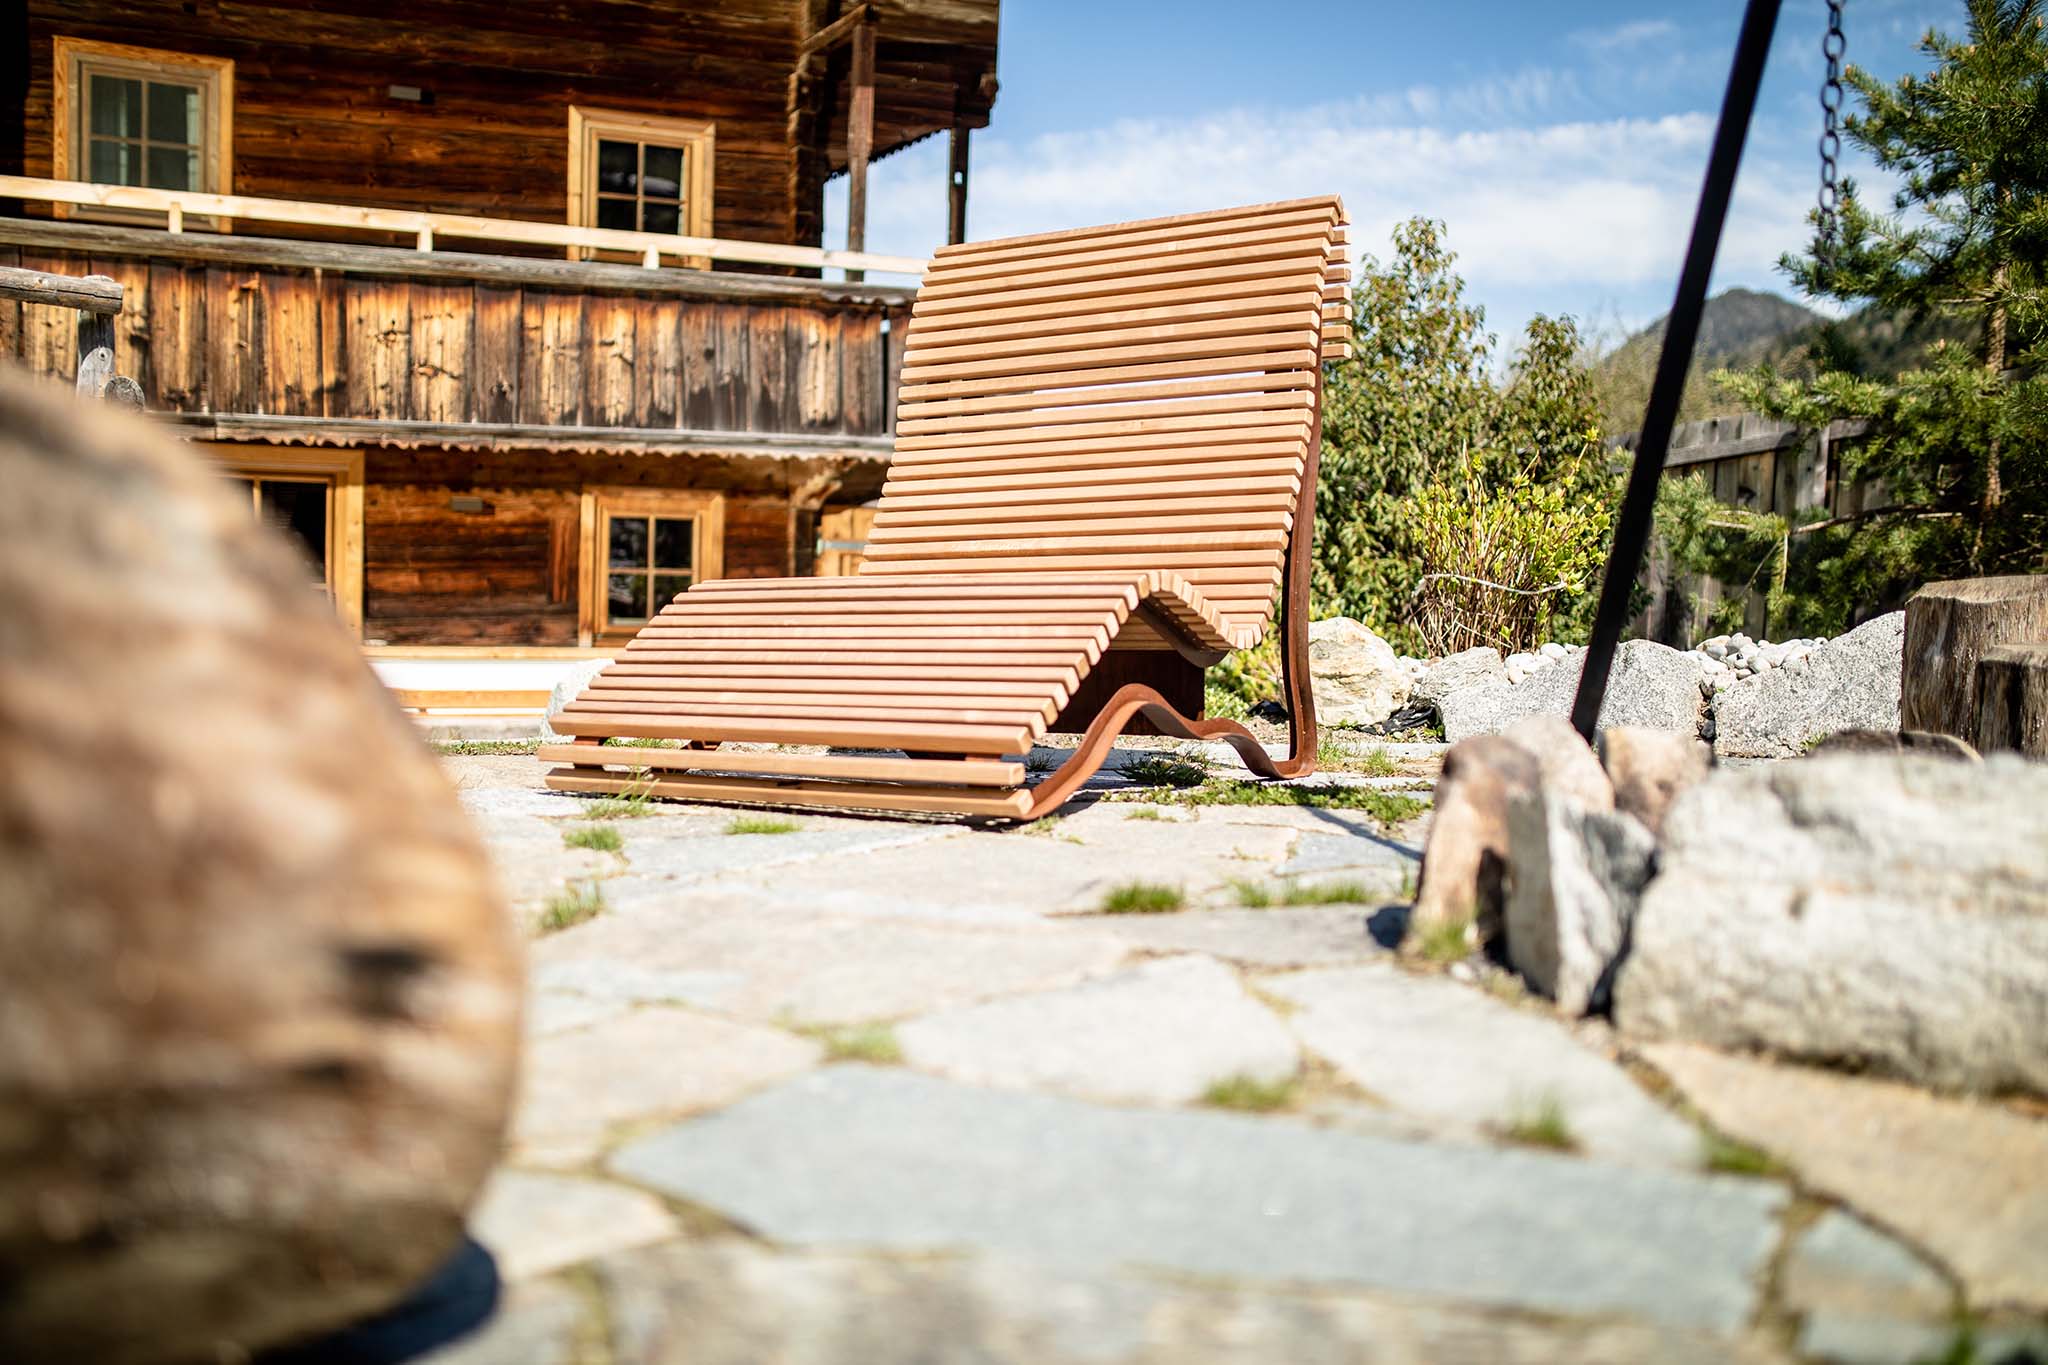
pixel 1629 35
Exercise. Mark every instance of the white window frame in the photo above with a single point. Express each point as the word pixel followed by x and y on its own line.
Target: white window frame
pixel 696 137
pixel 75 60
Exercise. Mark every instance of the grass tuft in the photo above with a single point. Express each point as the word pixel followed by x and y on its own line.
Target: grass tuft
pixel 1143 898
pixel 1389 809
pixel 1252 1095
pixel 762 824
pixel 1262 896
pixel 1542 1125
pixel 470 748
pixel 1444 942
pixel 628 805
pixel 575 903
pixel 1377 762
pixel 1729 1156
pixel 874 1044
pixel 1144 813
pixel 1166 770
pixel 601 838
pixel 1253 895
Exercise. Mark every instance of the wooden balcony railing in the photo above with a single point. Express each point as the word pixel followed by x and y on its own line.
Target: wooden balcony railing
pixel 651 247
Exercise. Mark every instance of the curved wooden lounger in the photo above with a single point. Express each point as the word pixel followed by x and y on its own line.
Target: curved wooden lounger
pixel 1106 438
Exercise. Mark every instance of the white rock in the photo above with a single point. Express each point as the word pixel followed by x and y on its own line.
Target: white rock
pixel 1358 680
pixel 1553 650
pixel 567 688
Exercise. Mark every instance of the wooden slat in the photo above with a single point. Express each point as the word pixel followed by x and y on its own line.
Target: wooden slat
pixel 1204 274
pixel 989 266
pixel 420 699
pixel 1106 311
pixel 1050 385
pixel 939 772
pixel 796 792
pixel 1041 403
pixel 972 739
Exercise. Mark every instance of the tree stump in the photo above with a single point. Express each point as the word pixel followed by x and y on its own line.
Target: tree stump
pixel 2012 699
pixel 259 998
pixel 1949 626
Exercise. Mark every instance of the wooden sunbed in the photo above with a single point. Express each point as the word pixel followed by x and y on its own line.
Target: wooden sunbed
pixel 1104 473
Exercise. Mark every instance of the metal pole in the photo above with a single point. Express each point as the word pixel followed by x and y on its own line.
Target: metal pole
pixel 1639 504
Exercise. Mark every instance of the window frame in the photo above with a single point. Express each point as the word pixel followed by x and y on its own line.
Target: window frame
pixel 344 471
pixel 593 626
pixel 696 137
pixel 73 60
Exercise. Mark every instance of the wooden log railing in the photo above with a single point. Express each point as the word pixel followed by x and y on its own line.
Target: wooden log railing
pixel 425 228
pixel 97 299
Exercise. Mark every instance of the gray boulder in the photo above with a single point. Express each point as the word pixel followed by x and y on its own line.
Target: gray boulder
pixel 1652 686
pixel 1575 875
pixel 1358 678
pixel 1877 911
pixel 1849 683
pixel 570 686
pixel 1468 670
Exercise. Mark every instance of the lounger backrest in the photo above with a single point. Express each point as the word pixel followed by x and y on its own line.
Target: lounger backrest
pixel 1120 398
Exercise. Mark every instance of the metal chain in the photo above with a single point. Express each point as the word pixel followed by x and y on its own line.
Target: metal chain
pixel 1832 46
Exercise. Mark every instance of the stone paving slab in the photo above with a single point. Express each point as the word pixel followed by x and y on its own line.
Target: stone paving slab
pixel 1382 862
pixel 706 851
pixel 736 1303
pixel 1285 936
pixel 648 1064
pixel 857 1156
pixel 1856 1289
pixel 1160 1033
pixel 1432 1046
pixel 1964 1181
pixel 534 1223
pixel 730 956
pixel 538 1322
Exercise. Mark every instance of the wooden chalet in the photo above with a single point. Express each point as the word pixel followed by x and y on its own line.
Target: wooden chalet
pixel 517 315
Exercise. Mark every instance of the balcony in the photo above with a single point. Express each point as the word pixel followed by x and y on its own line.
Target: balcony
pixel 235 336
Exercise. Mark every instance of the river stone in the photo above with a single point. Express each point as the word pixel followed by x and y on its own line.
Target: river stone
pixel 569 686
pixel 1965 1181
pixel 1078 1187
pixel 1849 683
pixel 1160 1033
pixel 1651 685
pixel 1574 879
pixel 259 1000
pixel 1357 676
pixel 1909 894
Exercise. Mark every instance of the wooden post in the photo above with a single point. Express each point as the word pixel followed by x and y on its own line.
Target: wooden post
pixel 2012 700
pixel 95 352
pixel 1949 628
pixel 860 139
pixel 956 184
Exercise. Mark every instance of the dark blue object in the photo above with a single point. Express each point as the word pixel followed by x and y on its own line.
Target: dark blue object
pixel 456 1300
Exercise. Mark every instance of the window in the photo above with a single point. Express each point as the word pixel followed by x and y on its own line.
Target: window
pixel 639 173
pixel 315 497
pixel 642 547
pixel 136 116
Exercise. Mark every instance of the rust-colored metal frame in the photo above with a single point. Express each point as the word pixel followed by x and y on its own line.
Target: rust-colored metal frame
pixel 1139 700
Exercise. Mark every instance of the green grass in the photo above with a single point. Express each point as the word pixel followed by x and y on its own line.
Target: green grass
pixel 1143 898
pixel 762 824
pixel 1251 1095
pixel 470 748
pixel 601 838
pixel 1261 896
pixel 1377 762
pixel 1387 808
pixel 1144 813
pixel 1166 770
pixel 1730 1157
pixel 1542 1124
pixel 1444 942
pixel 576 902
pixel 874 1044
pixel 628 805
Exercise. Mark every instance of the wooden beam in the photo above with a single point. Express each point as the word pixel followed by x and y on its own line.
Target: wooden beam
pixel 833 33
pixel 717 286
pixel 352 431
pixel 860 139
pixel 956 185
pixel 93 294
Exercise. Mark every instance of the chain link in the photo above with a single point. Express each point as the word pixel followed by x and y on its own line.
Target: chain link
pixel 1832 46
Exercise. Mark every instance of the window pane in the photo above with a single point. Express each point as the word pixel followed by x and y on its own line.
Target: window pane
pixel 173 168
pixel 299 509
pixel 674 539
pixel 626 599
pixel 659 218
pixel 173 113
pixel 245 489
pixel 116 106
pixel 618 165
pixel 628 543
pixel 615 213
pixel 664 177
pixel 667 586
pixel 114 163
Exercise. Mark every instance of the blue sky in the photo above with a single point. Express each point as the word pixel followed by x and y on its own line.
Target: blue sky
pixel 1562 143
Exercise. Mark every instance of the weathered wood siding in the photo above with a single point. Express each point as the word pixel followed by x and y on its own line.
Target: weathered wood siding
pixel 507 575
pixel 260 338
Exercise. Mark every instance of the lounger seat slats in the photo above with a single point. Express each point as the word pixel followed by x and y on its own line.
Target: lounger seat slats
pixel 1103 440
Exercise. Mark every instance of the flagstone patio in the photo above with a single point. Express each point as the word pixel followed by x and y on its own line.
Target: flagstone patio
pixel 870 1090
